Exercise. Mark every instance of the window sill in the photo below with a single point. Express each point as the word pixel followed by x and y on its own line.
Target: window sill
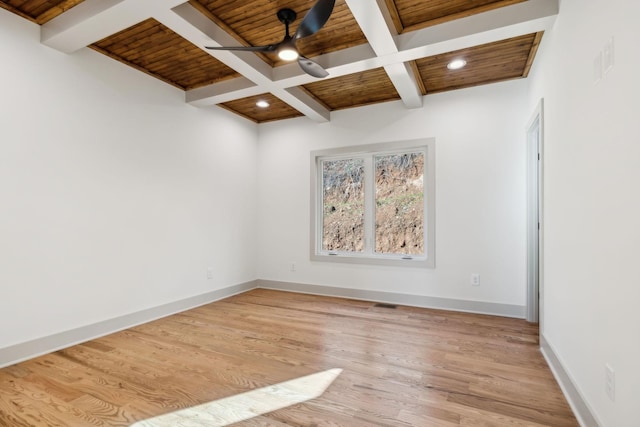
pixel 393 261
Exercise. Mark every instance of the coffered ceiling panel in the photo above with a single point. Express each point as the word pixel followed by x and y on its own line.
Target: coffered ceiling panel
pixel 255 23
pixel 248 108
pixel 488 63
pixel 157 50
pixel 373 51
pixel 354 90
pixel 410 15
pixel 39 11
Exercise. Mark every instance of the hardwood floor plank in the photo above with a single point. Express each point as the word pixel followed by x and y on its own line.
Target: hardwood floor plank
pixel 403 366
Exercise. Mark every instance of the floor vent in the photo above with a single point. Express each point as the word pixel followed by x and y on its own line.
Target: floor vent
pixel 383 305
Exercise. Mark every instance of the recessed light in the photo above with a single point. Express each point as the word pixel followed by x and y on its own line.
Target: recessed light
pixel 456 64
pixel 262 103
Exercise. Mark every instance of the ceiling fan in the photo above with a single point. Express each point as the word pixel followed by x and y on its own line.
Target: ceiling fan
pixel 315 19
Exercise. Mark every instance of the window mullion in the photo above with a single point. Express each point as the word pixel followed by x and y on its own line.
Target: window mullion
pixel 319 206
pixel 370 207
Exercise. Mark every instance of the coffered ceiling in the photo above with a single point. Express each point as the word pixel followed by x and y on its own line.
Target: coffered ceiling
pixel 374 50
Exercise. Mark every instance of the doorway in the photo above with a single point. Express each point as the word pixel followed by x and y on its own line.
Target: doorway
pixel 535 135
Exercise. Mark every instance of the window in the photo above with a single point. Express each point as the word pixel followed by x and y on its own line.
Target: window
pixel 374 204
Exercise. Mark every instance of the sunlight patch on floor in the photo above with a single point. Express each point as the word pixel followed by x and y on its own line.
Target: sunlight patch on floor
pixel 247 405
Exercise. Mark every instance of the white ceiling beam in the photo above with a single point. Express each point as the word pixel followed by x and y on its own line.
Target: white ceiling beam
pixel 225 91
pixel 522 18
pixel 405 81
pixel 371 20
pixel 339 63
pixel 378 29
pixel 192 25
pixel 499 24
pixel 306 104
pixel 93 20
pixel 201 31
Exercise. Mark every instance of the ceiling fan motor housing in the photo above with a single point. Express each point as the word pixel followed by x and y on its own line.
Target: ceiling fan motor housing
pixel 286 16
pixel 286 49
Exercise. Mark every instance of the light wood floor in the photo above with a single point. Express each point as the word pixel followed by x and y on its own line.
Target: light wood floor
pixel 401 367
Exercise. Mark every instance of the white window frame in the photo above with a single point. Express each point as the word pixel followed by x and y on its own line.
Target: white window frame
pixel 427 260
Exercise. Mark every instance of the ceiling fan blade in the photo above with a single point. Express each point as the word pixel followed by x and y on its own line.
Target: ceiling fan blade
pixel 268 48
pixel 312 68
pixel 317 16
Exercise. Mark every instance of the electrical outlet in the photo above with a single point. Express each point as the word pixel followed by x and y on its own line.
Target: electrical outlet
pixel 293 267
pixel 209 273
pixel 475 279
pixel 610 382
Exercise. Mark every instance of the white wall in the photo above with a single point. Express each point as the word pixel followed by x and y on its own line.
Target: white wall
pixel 115 195
pixel 592 208
pixel 480 183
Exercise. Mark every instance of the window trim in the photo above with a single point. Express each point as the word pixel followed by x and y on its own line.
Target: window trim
pixel 428 260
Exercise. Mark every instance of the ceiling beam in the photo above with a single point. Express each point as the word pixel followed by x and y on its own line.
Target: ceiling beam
pixel 227 90
pixel 406 83
pixel 306 104
pixel 339 63
pixel 498 24
pixel 376 24
pixel 510 21
pixel 93 20
pixel 191 24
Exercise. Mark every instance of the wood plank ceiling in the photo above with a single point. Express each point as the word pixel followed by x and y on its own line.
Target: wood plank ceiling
pixel 374 51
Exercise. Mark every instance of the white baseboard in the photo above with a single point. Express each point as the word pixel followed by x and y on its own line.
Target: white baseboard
pixel 30 349
pixel 37 347
pixel 481 307
pixel 580 408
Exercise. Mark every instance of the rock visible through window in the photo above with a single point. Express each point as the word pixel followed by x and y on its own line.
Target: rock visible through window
pixel 399 193
pixel 374 204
